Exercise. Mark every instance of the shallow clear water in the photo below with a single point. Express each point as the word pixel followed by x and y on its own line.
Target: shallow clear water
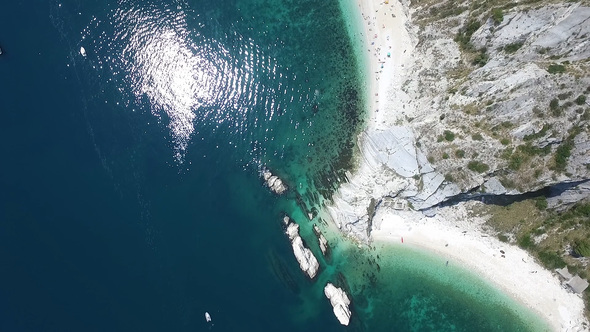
pixel 131 198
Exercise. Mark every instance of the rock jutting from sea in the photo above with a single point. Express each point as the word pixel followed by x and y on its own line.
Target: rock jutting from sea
pixel 273 182
pixel 324 247
pixel 307 261
pixel 340 302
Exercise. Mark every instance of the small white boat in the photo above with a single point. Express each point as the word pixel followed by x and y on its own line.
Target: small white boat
pixel 207 317
pixel 82 51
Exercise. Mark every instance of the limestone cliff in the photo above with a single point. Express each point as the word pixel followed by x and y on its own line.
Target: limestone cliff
pixel 494 99
pixel 500 95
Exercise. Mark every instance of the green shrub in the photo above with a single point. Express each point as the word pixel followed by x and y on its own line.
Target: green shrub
pixel 463 38
pixel 477 137
pixel 505 141
pixel 503 238
pixel 506 153
pixel 573 132
pixel 582 247
pixel 555 68
pixel 554 103
pixel 445 155
pixel 525 242
pixel 449 135
pixel 551 259
pixel 530 150
pixel 459 153
pixel 481 58
pixel 497 15
pixel 516 160
pixel 562 154
pixel 541 133
pixel 507 183
pixel 541 203
pixel 581 100
pixel 582 210
pixel 449 178
pixel 478 166
pixel 511 48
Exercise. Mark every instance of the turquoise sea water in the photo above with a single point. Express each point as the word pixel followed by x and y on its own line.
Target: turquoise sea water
pixel 131 197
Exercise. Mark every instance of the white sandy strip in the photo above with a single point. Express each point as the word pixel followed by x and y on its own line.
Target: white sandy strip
pixel 459 239
pixel 385 29
pixel 389 47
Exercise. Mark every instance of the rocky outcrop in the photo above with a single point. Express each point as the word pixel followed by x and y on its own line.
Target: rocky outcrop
pixel 395 167
pixel 569 196
pixel 340 302
pixel 510 111
pixel 273 182
pixel 321 239
pixel 307 261
pixel 493 103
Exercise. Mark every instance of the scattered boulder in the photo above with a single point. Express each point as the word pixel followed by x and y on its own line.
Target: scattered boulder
pixel 273 182
pixel 307 261
pixel 340 302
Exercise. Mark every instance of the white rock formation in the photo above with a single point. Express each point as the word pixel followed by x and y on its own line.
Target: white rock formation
pixel 393 166
pixel 497 115
pixel 273 182
pixel 307 261
pixel 321 239
pixel 340 302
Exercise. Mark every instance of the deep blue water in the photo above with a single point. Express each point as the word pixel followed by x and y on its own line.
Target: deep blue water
pixel 130 197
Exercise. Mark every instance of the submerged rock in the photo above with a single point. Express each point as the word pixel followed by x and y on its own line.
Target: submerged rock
pixel 340 302
pixel 321 239
pixel 273 182
pixel 307 261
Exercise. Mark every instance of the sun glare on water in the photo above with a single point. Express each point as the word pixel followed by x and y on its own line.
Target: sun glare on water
pixel 192 82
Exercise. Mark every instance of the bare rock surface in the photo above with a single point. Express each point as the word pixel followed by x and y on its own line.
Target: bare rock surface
pixel 340 302
pixel 307 261
pixel 273 182
pixel 506 111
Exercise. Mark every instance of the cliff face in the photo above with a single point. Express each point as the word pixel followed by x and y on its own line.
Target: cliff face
pixel 505 97
pixel 495 99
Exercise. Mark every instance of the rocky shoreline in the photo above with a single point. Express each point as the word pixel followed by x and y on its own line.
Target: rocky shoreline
pixel 442 126
pixel 485 101
pixel 307 261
